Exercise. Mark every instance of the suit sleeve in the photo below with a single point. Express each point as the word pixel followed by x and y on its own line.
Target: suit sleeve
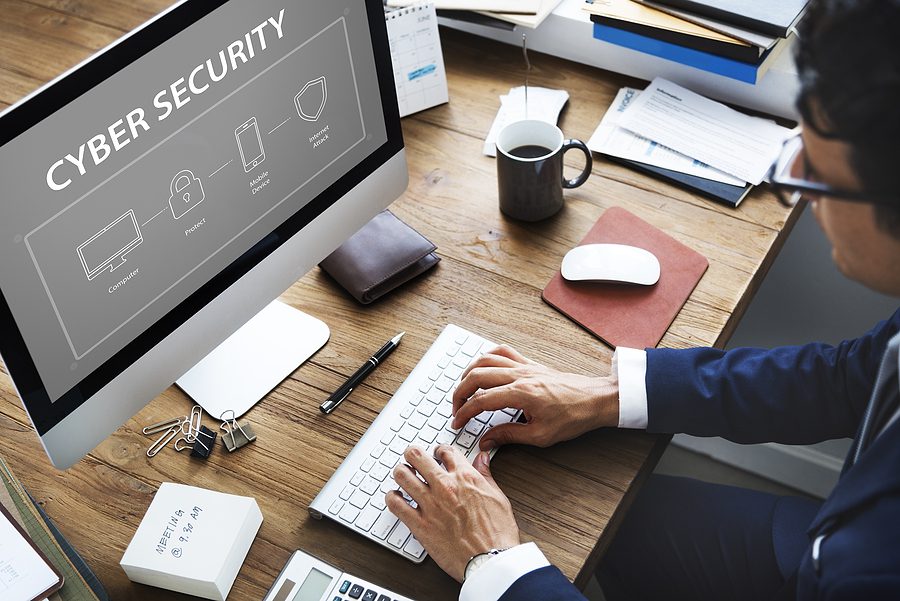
pixel 545 584
pixel 792 395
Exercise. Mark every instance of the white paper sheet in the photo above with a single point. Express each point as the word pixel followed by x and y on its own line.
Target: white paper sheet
pixel 708 131
pixel 610 139
pixel 543 104
pixel 23 574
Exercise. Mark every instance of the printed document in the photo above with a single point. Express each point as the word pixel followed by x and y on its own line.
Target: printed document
pixel 612 140
pixel 708 131
pixel 23 573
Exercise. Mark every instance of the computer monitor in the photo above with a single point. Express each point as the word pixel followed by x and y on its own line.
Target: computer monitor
pixel 162 193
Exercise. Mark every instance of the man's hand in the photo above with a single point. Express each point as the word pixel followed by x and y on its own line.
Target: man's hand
pixel 558 406
pixel 460 510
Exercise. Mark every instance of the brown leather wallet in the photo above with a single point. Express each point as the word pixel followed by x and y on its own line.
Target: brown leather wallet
pixel 383 255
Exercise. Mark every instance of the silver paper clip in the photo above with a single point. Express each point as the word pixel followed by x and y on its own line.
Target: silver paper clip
pixel 164 425
pixel 162 441
pixel 193 424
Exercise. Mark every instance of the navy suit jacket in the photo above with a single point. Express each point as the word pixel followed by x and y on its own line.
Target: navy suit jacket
pixel 792 395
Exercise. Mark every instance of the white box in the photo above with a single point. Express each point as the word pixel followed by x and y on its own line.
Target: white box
pixel 192 541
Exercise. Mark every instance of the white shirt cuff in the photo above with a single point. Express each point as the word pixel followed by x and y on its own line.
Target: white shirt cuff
pixel 494 578
pixel 631 366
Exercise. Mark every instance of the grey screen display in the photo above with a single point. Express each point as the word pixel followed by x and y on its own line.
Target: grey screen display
pixel 313 587
pixel 122 204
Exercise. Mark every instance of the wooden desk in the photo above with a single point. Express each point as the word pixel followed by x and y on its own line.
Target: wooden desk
pixel 490 279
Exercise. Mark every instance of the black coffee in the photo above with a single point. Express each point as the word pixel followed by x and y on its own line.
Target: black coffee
pixel 531 151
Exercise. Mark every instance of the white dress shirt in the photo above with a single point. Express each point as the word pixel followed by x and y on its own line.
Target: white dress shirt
pixel 495 576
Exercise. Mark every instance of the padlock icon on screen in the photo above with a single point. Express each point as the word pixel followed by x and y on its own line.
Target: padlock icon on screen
pixel 187 193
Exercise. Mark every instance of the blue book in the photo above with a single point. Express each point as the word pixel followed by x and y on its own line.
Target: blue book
pixel 680 54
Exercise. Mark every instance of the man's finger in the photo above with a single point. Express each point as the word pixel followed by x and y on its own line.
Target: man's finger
pixel 484 378
pixel 450 456
pixel 482 463
pixel 406 478
pixel 422 463
pixel 513 433
pixel 489 359
pixel 505 350
pixel 403 510
pixel 491 399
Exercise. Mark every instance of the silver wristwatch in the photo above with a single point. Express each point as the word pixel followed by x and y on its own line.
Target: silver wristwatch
pixel 476 561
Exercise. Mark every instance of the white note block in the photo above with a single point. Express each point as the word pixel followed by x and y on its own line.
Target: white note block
pixel 192 541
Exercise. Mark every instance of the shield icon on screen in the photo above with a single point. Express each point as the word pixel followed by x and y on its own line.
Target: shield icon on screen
pixel 310 102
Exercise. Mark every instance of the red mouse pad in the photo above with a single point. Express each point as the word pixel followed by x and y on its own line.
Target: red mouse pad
pixel 628 314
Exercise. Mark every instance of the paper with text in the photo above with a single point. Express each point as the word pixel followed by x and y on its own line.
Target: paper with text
pixel 703 129
pixel 612 140
pixel 23 573
pixel 543 104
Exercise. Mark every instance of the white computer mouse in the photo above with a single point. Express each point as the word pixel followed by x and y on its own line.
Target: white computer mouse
pixel 611 263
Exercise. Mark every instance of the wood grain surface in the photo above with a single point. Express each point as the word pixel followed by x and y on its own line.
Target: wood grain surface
pixel 568 498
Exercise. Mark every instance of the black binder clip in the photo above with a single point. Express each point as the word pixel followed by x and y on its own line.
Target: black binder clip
pixel 203 445
pixel 235 435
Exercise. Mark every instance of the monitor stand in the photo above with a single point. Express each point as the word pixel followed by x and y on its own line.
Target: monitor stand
pixel 254 360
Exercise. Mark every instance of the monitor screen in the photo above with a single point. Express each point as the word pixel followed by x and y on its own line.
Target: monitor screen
pixel 145 182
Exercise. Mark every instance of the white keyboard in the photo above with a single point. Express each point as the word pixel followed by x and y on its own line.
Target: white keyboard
pixel 417 414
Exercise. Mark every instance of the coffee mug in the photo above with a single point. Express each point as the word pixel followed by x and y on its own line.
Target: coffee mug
pixel 530 169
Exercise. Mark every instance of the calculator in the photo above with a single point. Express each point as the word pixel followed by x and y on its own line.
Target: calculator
pixel 306 578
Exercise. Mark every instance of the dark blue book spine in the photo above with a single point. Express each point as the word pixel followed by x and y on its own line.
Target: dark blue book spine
pixel 686 56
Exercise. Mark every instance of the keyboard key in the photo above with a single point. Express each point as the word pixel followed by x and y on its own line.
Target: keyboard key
pixel 449 428
pixel 407 411
pixel 383 525
pixel 427 408
pixel 485 416
pixel 398 423
pixel 445 409
pixel 384 598
pixel 435 373
pixel 510 411
pixel 414 547
pixel 466 440
pixel 471 347
pixel 367 464
pixel 377 451
pixel 348 490
pixel 356 592
pixel 453 349
pixel 428 434
pixel 426 386
pixel 498 418
pixel 389 459
pixel 367 518
pixel 388 485
pixel 399 446
pixel 387 438
pixel 357 478
pixel 377 500
pixel 435 396
pixel 444 384
pixel 417 420
pixel 462 361
pixel 398 537
pixel 370 596
pixel 370 485
pixel 474 428
pixel 379 472
pixel 461 338
pixel 359 499
pixel 345 587
pixel 349 514
pixel 408 433
pixel 416 400
pixel 453 372
pixel 445 437
pixel 444 362
pixel 336 507
pixel 437 422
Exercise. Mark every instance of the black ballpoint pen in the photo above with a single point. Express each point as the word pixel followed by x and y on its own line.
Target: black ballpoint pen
pixel 361 374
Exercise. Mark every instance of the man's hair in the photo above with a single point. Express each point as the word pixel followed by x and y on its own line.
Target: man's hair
pixel 848 57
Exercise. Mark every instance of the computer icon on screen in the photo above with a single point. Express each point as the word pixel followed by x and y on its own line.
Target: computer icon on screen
pixel 106 250
pixel 93 177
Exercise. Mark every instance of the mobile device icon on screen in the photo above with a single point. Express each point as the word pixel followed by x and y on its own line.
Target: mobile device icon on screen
pixel 250 144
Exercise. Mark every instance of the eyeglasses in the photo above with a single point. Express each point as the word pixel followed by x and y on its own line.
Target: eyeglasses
pixel 790 189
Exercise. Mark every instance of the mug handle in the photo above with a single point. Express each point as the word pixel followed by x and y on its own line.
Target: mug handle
pixel 589 163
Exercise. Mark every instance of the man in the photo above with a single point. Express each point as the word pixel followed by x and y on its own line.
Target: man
pixel 685 539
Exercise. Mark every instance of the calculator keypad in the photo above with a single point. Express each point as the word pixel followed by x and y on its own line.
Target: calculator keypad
pixel 356 591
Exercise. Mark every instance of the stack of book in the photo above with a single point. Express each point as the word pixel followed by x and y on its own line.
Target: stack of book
pixel 739 39
pixel 80 583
